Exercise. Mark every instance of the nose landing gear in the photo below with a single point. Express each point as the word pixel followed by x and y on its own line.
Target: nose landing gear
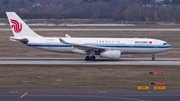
pixel 153 58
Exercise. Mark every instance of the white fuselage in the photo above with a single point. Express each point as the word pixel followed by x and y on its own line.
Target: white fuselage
pixel 125 45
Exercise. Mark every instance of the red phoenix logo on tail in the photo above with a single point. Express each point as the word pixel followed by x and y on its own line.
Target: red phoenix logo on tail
pixel 17 26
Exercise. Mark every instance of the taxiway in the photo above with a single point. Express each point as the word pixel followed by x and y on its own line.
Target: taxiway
pixel 81 61
pixel 90 96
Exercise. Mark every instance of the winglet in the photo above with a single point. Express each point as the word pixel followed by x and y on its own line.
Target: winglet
pixel 67 36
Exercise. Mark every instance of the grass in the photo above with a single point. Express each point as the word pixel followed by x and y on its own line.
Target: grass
pixel 85 77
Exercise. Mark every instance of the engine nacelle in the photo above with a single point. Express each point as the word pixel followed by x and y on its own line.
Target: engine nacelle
pixel 111 54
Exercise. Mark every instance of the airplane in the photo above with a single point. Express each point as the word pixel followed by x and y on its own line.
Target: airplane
pixel 110 48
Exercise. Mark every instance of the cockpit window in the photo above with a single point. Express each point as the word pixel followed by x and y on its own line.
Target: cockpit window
pixel 164 43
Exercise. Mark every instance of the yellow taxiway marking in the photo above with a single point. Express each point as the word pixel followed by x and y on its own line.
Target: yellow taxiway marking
pixel 159 87
pixel 143 87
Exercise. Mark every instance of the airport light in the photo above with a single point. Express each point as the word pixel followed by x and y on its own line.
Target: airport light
pixel 156 73
pixel 158 83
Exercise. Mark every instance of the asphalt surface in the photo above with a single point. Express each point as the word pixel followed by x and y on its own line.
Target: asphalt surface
pixel 81 61
pixel 95 29
pixel 90 96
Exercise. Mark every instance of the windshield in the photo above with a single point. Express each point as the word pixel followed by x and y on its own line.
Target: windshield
pixel 164 43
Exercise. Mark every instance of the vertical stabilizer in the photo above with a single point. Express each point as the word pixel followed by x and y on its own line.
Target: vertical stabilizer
pixel 19 27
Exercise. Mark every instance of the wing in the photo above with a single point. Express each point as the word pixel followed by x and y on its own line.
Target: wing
pixel 84 46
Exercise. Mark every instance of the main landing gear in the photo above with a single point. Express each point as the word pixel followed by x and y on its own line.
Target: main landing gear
pixel 153 58
pixel 90 58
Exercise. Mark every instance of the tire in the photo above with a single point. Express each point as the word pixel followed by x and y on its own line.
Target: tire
pixel 93 58
pixel 87 58
pixel 153 58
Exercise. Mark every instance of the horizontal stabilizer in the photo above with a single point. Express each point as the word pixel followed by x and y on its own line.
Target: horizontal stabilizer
pixel 23 40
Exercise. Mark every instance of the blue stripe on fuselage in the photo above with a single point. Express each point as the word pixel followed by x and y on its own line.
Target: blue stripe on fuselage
pixel 107 46
pixel 49 45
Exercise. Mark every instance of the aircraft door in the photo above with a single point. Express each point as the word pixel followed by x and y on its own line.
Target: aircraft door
pixel 131 42
pixel 155 46
pixel 43 40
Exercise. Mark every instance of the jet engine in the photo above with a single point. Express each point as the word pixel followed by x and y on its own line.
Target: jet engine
pixel 111 54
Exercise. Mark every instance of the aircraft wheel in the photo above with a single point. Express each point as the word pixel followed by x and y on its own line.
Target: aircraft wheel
pixel 87 58
pixel 93 58
pixel 153 58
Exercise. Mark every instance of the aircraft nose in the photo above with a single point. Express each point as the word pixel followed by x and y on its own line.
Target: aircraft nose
pixel 169 46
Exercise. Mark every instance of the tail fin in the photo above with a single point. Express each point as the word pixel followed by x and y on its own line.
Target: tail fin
pixel 18 26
